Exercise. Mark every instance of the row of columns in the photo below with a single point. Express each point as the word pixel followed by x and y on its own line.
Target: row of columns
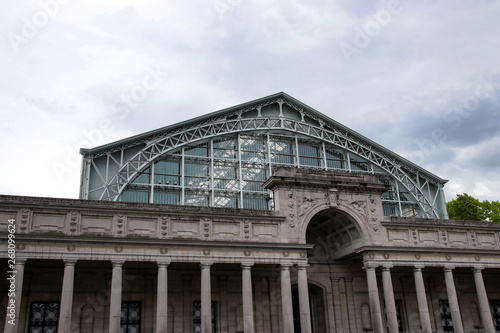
pixel 423 308
pixel 65 316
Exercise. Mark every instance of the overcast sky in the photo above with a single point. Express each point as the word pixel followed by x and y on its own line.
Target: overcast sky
pixel 420 78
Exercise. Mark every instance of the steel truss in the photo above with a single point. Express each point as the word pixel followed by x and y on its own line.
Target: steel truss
pixel 235 122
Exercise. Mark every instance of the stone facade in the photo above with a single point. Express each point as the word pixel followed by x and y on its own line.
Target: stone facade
pixel 325 260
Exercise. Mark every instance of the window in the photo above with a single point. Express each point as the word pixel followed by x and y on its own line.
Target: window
pixel 495 309
pixel 43 317
pixel 398 316
pixel 131 317
pixel 444 308
pixel 197 316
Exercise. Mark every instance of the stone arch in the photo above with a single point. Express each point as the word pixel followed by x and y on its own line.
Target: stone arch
pixel 335 231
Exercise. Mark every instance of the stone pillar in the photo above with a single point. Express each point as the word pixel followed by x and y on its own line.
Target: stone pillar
pixel 423 309
pixel 286 298
pixel 115 306
pixel 224 324
pixel 17 272
pixel 390 303
pixel 162 298
pixel 274 304
pixel 349 292
pixel 206 298
pixel 336 304
pixel 67 296
pixel 453 300
pixel 246 278
pixel 484 305
pixel 305 315
pixel 376 315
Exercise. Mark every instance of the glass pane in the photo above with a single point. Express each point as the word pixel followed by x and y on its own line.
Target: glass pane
pixel 134 196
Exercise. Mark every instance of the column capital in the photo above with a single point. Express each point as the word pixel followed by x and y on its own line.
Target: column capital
pixel 477 268
pixel 285 266
pixel 302 265
pixel 117 263
pixel 21 261
pixel 418 268
pixel 334 279
pixel 246 265
pixel 70 262
pixel 163 263
pixel 448 268
pixel 387 267
pixel 369 266
pixel 206 264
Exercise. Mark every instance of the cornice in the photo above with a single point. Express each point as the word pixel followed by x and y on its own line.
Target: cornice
pixel 95 205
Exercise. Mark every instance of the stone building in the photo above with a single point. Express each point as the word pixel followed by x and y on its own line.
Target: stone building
pixel 263 217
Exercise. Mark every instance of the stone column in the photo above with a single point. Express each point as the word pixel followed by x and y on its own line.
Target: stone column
pixel 286 298
pixel 248 322
pixel 67 296
pixel 349 292
pixel 162 298
pixel 371 278
pixel 423 309
pixel 17 273
pixel 336 304
pixel 274 304
pixel 484 305
pixel 453 300
pixel 305 315
pixel 206 298
pixel 224 324
pixel 115 306
pixel 390 303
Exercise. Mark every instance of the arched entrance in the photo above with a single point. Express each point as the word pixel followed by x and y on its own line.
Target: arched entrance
pixel 316 307
pixel 335 235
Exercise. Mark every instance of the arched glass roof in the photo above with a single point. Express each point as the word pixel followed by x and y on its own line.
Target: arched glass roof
pixel 223 158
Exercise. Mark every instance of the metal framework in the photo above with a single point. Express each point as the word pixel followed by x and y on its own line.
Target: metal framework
pixel 114 167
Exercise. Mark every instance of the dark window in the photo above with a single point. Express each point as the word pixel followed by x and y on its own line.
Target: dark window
pixel 44 316
pixel 398 315
pixel 495 309
pixel 131 317
pixel 197 316
pixel 444 308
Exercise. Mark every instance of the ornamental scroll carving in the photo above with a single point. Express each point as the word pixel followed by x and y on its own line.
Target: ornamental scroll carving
pixel 360 207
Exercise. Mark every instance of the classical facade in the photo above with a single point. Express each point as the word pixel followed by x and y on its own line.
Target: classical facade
pixel 264 217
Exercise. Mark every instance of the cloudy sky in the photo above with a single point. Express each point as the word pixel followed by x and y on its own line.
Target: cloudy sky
pixel 420 78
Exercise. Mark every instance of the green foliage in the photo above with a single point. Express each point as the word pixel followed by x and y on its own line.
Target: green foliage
pixel 491 211
pixel 466 207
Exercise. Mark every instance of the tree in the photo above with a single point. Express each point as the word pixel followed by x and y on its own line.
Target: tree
pixel 491 210
pixel 466 207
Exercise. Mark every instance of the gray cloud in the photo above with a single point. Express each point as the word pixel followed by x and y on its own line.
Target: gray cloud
pixel 396 89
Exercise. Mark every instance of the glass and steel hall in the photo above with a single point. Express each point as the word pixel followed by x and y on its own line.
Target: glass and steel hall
pixel 222 159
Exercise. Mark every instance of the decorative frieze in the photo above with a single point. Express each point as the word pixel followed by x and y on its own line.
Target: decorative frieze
pixel 449 234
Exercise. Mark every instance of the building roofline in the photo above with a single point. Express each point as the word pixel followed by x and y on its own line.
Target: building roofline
pixel 185 123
